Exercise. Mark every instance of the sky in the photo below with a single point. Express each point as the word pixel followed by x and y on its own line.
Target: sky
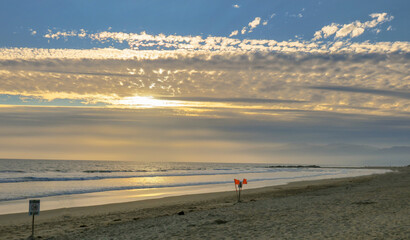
pixel 281 82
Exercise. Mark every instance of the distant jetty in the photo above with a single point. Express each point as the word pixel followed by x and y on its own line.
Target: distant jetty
pixel 293 166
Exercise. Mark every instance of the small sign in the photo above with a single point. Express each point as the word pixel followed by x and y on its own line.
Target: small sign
pixel 34 207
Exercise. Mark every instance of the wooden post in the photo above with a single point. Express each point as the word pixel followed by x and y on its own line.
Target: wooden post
pixel 32 228
pixel 33 209
pixel 240 188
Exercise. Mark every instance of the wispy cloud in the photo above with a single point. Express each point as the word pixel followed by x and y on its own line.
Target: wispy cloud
pixel 299 15
pixel 353 29
pixel 291 80
pixel 388 93
pixel 266 74
pixel 234 33
pixel 249 28
pixel 145 41
pixel 64 34
pixel 254 23
pixel 141 41
pixel 231 100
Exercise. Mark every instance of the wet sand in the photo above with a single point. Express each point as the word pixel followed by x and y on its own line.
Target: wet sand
pixel 368 207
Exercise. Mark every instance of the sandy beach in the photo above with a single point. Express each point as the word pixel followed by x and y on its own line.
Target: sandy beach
pixel 369 207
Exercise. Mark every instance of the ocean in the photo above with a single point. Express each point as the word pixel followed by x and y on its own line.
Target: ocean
pixel 69 183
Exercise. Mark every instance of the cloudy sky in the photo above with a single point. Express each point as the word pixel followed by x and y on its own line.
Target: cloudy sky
pixel 287 82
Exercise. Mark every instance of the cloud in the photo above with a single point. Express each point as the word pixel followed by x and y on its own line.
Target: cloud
pixel 194 71
pixel 254 23
pixel 336 149
pixel 265 22
pixel 373 83
pixel 353 29
pixel 59 34
pixel 379 18
pixel 234 33
pixel 167 135
pixel 243 31
pixel 338 153
pixel 327 31
pixel 65 34
pixel 251 25
pixel 231 100
pixel 144 41
pixel 388 93
pixel 299 15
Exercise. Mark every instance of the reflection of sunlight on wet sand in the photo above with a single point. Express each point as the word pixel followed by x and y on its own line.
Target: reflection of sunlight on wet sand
pixel 147 193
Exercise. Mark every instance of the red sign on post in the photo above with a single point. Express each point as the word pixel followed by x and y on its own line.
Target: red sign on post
pixel 238 186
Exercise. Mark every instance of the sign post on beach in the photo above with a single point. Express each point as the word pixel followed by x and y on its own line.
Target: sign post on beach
pixel 33 209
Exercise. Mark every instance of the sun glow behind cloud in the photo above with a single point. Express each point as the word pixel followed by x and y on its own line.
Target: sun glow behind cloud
pixel 144 102
pixel 294 79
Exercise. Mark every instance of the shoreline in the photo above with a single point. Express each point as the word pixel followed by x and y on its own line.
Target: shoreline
pixel 69 220
pixel 86 199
